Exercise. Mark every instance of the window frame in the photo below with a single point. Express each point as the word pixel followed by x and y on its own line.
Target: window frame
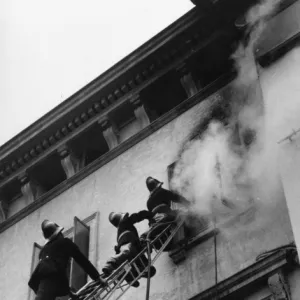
pixel 93 222
pixel 34 262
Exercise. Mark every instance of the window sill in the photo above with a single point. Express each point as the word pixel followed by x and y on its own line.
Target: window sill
pixel 179 253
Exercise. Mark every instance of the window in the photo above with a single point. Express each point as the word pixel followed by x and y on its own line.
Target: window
pixel 87 148
pixel 195 226
pixel 34 261
pixel 81 238
pixel 48 173
pixel 84 235
pixel 164 94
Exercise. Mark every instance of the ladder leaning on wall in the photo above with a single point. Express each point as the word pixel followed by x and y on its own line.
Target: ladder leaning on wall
pixel 116 284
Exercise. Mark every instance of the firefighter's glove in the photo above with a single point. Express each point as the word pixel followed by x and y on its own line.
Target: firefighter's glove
pixel 101 281
pixel 73 296
pixel 117 249
pixel 151 222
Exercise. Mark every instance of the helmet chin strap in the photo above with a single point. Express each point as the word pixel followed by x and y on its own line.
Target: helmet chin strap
pixel 158 186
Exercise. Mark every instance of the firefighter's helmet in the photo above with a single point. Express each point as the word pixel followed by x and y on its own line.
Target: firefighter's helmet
pixel 115 218
pixel 50 229
pixel 152 183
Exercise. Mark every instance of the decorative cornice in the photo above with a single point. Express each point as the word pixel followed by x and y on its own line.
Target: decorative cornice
pixel 104 159
pixel 99 111
pixel 110 76
pixel 156 66
pixel 258 271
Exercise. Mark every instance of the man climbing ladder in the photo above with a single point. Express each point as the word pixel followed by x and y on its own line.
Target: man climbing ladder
pixel 133 259
pixel 115 282
pixel 159 203
pixel 128 243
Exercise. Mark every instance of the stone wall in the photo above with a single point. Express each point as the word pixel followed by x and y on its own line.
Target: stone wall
pixel 120 186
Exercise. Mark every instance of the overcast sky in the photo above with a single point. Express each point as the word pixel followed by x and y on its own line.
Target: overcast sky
pixel 50 49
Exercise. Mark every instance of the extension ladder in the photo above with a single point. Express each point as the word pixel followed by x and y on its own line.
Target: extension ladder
pixel 116 284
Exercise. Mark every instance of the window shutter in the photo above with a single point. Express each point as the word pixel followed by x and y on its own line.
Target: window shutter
pixel 34 261
pixel 81 238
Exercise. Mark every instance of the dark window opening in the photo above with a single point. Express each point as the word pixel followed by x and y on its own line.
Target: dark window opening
pixel 123 115
pixel 164 94
pixel 11 191
pixel 90 145
pixel 212 61
pixel 48 173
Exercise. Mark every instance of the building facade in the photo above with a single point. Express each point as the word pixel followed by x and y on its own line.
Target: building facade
pixel 200 107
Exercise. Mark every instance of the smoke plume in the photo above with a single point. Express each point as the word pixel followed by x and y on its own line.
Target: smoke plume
pixel 223 178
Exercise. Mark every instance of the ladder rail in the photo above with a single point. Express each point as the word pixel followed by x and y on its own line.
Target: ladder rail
pixel 142 252
pixel 167 242
pixel 155 258
pixel 118 276
pixel 118 285
pixel 97 285
pixel 99 288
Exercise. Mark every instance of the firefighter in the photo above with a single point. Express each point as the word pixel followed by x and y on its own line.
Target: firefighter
pixel 49 279
pixel 159 203
pixel 128 242
pixel 160 199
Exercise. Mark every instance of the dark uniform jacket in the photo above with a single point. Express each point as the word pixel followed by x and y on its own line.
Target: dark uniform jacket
pixel 126 229
pixel 58 252
pixel 161 196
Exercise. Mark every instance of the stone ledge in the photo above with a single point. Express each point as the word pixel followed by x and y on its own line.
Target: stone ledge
pixel 179 253
pixel 279 51
pixel 258 271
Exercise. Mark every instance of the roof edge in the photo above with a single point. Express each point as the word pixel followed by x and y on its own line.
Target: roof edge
pixel 105 78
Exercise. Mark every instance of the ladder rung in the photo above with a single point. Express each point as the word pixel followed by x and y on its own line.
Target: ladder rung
pixel 116 279
pixel 160 243
pixel 136 268
pixel 167 234
pixel 143 264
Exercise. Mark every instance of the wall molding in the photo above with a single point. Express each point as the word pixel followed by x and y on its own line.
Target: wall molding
pixel 258 271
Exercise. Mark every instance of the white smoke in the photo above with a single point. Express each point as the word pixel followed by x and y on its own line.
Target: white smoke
pixel 195 175
pixel 217 177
